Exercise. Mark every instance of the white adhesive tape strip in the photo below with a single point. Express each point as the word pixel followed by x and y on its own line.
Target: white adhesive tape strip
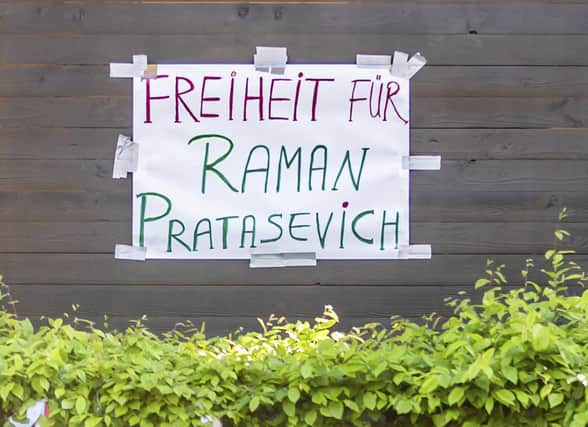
pixel 406 68
pixel 271 59
pixel 132 253
pixel 284 259
pixel 139 68
pixel 125 157
pixel 415 252
pixel 421 162
pixel 373 60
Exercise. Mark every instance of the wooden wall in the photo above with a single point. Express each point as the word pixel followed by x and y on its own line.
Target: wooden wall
pixel 504 101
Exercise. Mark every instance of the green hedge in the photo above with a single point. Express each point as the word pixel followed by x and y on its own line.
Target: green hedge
pixel 517 357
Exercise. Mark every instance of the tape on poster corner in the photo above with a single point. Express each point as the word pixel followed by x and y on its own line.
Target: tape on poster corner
pixel 282 259
pixel 370 61
pixel 150 71
pixel 139 68
pixel 126 157
pixel 415 252
pixel 131 253
pixel 272 59
pixel 404 67
pixel 34 412
pixel 421 162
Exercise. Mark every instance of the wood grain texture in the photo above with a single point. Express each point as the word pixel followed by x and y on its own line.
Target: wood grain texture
pixel 103 269
pixel 209 301
pixel 303 47
pixel 457 112
pixel 431 81
pixel 381 17
pixel 445 238
pixel 452 144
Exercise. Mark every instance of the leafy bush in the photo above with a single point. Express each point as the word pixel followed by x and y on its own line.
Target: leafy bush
pixel 517 357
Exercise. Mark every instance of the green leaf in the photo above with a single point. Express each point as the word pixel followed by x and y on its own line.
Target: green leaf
pixel 333 410
pixel 352 405
pixel 403 406
pixel 489 405
pixel 456 395
pixel 80 405
pixel 369 400
pixel 541 337
pixel 318 397
pixel 545 390
pixel 555 399
pixel 289 408
pixel 505 397
pixel 254 403
pixel 480 283
pixel 306 370
pixel 310 417
pixel 510 373
pixel 429 385
pixel 293 394
pixel 5 390
pixel 93 421
pixel 522 397
pixel 44 383
pixel 67 404
pixel 18 391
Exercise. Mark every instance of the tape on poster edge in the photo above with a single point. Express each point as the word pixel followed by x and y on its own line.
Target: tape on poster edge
pixel 373 61
pixel 282 259
pixel 131 253
pixel 421 162
pixel 126 157
pixel 270 59
pixel 415 252
pixel 139 68
pixel 404 67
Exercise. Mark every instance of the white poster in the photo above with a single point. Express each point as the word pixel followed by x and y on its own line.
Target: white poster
pixel 234 161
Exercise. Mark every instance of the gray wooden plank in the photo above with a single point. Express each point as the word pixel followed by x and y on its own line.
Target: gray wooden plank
pixel 495 206
pixel 445 238
pixel 452 144
pixel 303 47
pixel 457 112
pixel 59 143
pixel 254 301
pixel 467 112
pixel 113 112
pixel 491 81
pixel 60 175
pixel 65 206
pixel 431 81
pixel 426 206
pixel 209 301
pixel 103 269
pixel 381 17
pixel 454 176
pixel 501 144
